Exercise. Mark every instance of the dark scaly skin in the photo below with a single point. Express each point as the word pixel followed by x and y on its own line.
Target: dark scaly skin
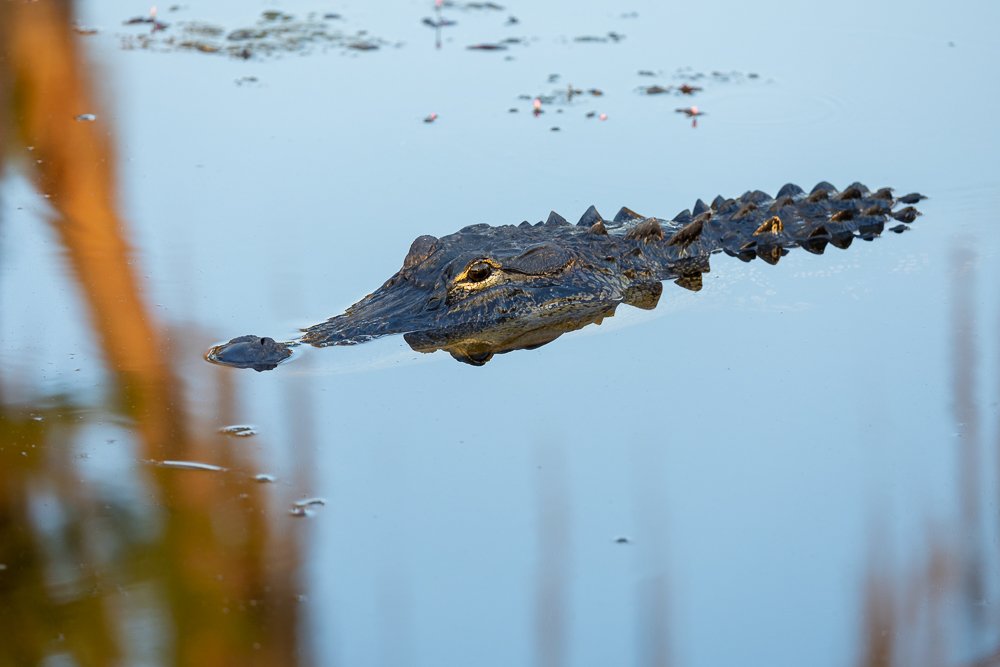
pixel 485 290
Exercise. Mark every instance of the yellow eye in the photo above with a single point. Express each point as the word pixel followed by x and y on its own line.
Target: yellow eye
pixel 478 272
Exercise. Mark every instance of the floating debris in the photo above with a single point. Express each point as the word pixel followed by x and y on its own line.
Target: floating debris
pixel 431 118
pixel 81 30
pixel 188 465
pixel 303 508
pixel 610 37
pixel 450 4
pixel 512 20
pixel 235 36
pixel 147 20
pixel 487 47
pixel 646 72
pixel 264 478
pixel 274 15
pixel 275 32
pixel 239 430
pixel 690 112
pixel 554 129
pixel 603 116
pixel 246 80
pixel 683 89
pixel 622 540
pixel 439 22
pixel 561 96
pixel 86 117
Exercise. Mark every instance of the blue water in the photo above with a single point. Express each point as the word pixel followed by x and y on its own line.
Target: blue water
pixel 768 446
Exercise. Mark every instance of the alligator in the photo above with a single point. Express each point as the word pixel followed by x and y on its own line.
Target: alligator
pixel 487 289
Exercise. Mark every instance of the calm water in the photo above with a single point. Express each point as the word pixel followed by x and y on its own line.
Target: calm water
pixel 797 465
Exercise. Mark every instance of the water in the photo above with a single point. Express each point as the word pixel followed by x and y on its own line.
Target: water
pixel 803 458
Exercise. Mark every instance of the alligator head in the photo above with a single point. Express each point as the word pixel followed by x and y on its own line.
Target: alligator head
pixel 484 276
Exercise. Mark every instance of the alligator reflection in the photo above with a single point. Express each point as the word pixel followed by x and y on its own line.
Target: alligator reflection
pixel 477 346
pixel 155 566
pixel 486 290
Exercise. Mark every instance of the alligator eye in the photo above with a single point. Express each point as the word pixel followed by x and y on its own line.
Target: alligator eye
pixel 478 272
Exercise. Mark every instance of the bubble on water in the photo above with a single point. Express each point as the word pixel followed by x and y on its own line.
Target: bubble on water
pixel 86 117
pixel 264 478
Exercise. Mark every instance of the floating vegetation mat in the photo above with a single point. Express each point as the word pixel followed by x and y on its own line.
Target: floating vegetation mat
pixel 273 34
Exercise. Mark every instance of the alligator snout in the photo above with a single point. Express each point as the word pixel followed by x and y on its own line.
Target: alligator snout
pixel 256 352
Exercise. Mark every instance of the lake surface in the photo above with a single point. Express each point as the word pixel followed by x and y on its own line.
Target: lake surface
pixel 798 464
